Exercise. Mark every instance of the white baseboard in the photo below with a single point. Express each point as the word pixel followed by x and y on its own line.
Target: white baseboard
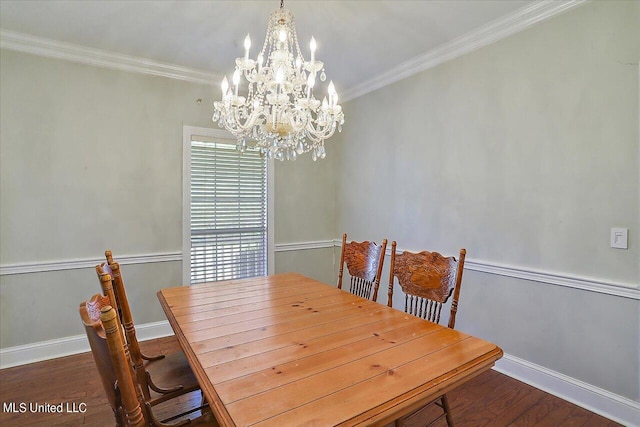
pixel 51 349
pixel 620 409
pixel 595 399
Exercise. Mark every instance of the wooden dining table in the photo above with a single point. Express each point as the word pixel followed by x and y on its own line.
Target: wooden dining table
pixel 287 350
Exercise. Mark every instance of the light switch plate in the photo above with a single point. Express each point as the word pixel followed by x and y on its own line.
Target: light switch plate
pixel 619 238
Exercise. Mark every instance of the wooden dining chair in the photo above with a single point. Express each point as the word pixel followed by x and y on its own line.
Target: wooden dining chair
pixel 169 375
pixel 116 372
pixel 364 262
pixel 124 311
pixel 90 315
pixel 427 279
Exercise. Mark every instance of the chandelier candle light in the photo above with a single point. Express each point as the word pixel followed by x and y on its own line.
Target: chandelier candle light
pixel 280 112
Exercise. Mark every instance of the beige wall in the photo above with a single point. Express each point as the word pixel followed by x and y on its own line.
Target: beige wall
pixel 91 158
pixel 317 263
pixel 43 306
pixel 306 213
pixel 526 153
pixel 305 198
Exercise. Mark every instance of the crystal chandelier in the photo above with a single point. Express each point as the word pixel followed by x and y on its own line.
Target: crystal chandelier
pixel 279 112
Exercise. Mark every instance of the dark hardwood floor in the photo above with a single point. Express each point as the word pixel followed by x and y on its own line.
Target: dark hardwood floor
pixel 491 399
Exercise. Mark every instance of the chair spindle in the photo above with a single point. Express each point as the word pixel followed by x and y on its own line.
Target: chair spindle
pixel 428 280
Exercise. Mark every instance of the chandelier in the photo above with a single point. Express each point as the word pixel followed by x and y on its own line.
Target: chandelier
pixel 280 113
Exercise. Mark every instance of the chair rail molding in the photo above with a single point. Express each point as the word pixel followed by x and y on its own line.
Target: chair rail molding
pixel 603 286
pixel 76 264
pixel 80 263
pixel 302 246
pixel 618 408
pixel 626 290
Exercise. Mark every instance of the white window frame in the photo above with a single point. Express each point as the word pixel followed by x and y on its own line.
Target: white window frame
pixel 187 133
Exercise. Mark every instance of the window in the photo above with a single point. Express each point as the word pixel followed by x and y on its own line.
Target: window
pixel 225 231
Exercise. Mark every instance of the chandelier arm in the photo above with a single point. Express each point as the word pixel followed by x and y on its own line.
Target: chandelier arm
pixel 298 125
pixel 249 123
pixel 234 125
pixel 279 110
pixel 313 135
pixel 321 133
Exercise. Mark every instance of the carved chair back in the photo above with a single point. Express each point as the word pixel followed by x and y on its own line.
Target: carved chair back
pixel 364 262
pixel 114 366
pixel 427 279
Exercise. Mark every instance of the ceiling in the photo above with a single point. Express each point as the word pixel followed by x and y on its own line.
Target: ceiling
pixel 362 43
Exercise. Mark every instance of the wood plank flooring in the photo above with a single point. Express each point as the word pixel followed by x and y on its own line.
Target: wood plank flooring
pixel 491 399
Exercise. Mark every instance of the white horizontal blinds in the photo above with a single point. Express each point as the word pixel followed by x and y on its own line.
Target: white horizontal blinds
pixel 228 212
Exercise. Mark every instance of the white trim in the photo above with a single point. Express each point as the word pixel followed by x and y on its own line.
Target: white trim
pixel 75 264
pixel 474 40
pixel 67 346
pixel 620 289
pixel 595 399
pixel 26 43
pixel 301 246
pixel 608 287
pixel 271 207
pixel 187 133
pixel 481 37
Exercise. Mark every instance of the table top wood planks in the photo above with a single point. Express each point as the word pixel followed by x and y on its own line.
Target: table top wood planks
pixel 285 350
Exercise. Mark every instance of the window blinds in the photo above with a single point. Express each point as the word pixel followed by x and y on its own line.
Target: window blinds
pixel 228 212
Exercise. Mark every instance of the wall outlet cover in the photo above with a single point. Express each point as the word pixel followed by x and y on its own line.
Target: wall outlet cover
pixel 619 238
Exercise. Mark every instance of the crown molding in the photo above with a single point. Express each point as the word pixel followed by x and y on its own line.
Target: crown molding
pixel 484 36
pixel 481 37
pixel 25 43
